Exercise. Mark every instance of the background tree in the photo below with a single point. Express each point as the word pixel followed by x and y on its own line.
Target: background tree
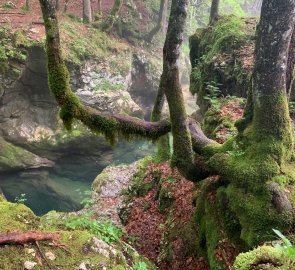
pixel 99 6
pixel 214 12
pixel 66 6
pixel 87 12
pixel 57 4
pixel 109 22
pixel 27 4
pixel 161 21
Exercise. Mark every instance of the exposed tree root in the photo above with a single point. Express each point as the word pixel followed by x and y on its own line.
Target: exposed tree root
pixel 26 237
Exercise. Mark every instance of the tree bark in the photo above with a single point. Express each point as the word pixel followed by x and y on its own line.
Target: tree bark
pixel 274 32
pixel 109 23
pixel 163 144
pixel 290 65
pixel 214 12
pixel 182 144
pixel 99 6
pixel 27 4
pixel 161 21
pixel 87 12
pixel 57 5
pixel 66 6
pixel 26 237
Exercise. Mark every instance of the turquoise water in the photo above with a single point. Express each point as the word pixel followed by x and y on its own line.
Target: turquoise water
pixel 59 188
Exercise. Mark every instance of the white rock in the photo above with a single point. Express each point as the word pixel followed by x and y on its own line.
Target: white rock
pixel 29 265
pixel 49 255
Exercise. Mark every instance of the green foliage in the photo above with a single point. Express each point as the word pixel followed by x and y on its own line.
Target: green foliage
pixel 21 199
pixel 8 5
pixel 287 248
pixel 236 150
pixel 140 266
pixel 25 8
pixel 12 47
pixel 91 42
pixel 233 7
pixel 106 85
pixel 86 199
pixel 107 231
pixel 213 94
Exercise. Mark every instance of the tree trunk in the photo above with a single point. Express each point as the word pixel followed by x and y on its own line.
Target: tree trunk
pixel 182 144
pixel 99 6
pixel 27 4
pixel 161 21
pixel 214 12
pixel 66 6
pixel 57 5
pixel 290 66
pixel 164 17
pixel 109 23
pixel 163 144
pixel 271 115
pixel 87 13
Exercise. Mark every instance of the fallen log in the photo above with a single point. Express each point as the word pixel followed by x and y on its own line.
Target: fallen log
pixel 26 237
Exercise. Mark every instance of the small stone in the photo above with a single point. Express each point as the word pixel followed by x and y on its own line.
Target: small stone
pixel 29 265
pixel 49 255
pixel 30 250
pixel 84 266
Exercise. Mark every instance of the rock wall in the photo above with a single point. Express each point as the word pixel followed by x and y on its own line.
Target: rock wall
pixel 29 113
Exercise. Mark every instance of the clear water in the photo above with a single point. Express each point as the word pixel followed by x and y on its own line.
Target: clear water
pixel 57 188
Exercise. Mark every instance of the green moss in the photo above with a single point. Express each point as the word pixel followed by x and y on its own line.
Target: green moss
pixel 209 217
pixel 73 249
pixel 262 258
pixel 165 198
pixel 13 157
pixel 16 217
pixel 215 58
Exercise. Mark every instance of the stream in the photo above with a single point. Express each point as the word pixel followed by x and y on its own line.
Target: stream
pixel 63 187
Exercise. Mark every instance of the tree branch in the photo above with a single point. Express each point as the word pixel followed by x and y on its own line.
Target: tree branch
pixel 26 237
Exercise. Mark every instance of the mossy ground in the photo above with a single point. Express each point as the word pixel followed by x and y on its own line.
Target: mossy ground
pixel 70 251
pixel 263 258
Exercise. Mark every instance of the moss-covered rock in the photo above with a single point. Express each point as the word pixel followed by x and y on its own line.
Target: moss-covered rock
pixel 222 59
pixel 15 158
pixel 263 258
pixel 76 247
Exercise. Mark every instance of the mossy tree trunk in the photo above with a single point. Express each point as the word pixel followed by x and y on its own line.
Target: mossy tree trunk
pixel 163 144
pixel 214 12
pixel 111 19
pixel 182 142
pixel 161 21
pixel 249 200
pixel 87 12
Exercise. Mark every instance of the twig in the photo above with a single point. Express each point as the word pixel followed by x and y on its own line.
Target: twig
pixel 43 256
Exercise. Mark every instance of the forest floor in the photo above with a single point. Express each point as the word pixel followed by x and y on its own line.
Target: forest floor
pixel 165 237
pixel 14 15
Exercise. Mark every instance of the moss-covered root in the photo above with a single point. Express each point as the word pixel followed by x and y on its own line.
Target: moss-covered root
pixel 211 224
pixel 263 258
